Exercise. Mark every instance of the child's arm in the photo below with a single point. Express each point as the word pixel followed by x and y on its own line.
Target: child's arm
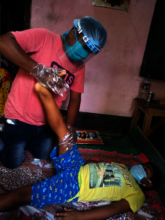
pixel 16 198
pixel 99 213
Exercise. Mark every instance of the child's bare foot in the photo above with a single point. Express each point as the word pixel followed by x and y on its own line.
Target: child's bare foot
pixel 42 90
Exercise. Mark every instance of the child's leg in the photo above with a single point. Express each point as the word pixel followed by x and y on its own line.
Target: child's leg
pixel 53 114
pixel 16 198
pixel 55 119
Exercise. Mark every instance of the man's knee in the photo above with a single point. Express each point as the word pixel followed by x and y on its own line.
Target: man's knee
pixel 42 148
pixel 13 155
pixel 11 164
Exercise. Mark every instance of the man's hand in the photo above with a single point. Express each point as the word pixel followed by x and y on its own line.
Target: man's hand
pixel 51 78
pixel 70 214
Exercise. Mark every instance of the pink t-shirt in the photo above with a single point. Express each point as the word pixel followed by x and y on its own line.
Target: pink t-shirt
pixel 44 47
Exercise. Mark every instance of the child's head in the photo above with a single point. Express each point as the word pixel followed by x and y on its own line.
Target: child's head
pixel 155 178
pixel 147 175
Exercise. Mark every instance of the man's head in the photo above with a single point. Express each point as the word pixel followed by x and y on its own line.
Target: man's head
pixel 84 40
pixel 93 29
pixel 147 175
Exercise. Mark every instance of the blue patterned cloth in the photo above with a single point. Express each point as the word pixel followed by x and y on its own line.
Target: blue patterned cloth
pixel 64 185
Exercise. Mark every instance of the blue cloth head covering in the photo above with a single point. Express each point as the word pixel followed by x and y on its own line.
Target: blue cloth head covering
pixel 93 29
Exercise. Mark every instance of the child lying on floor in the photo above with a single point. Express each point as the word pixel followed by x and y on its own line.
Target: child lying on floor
pixel 74 181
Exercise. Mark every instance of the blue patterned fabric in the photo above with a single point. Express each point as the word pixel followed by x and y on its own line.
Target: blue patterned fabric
pixel 64 185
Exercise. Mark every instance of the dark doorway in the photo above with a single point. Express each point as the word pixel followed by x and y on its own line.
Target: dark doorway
pixel 153 61
pixel 15 15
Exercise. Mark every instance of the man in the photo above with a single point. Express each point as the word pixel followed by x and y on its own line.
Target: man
pixel 35 51
pixel 74 181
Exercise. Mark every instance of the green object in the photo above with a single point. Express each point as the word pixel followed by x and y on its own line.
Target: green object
pixel 135 142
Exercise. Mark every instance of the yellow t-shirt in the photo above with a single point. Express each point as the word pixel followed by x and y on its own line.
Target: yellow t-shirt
pixel 109 182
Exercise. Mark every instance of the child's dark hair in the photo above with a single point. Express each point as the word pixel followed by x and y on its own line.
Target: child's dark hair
pixel 156 178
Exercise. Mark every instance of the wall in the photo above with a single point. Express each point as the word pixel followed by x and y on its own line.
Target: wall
pixel 112 77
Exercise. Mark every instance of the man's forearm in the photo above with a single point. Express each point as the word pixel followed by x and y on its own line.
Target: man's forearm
pixel 13 52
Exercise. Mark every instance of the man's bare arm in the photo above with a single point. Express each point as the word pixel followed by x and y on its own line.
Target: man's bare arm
pixel 13 52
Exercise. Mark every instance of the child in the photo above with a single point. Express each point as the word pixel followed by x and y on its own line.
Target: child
pixel 75 181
